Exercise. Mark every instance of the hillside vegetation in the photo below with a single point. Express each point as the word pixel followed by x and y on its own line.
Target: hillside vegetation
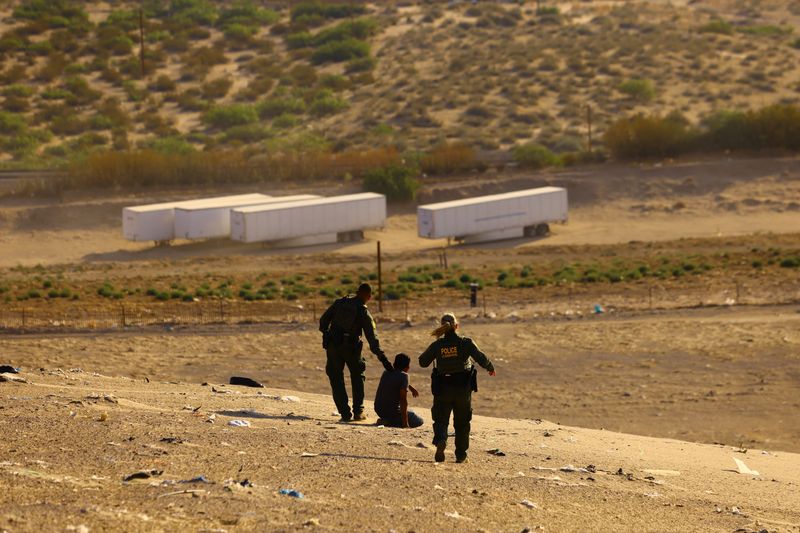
pixel 385 80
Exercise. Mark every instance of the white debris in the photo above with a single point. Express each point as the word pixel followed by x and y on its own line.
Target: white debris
pixel 239 423
pixel 455 515
pixel 529 504
pixel 743 469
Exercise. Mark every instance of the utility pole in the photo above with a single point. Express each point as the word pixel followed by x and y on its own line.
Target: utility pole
pixel 380 280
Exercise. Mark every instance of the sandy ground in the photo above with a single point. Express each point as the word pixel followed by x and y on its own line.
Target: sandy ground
pixel 724 377
pixel 92 431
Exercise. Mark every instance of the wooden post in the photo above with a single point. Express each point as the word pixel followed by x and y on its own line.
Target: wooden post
pixel 650 296
pixel 122 309
pixel 141 39
pixel 738 286
pixel 23 317
pixel 380 281
pixel 221 312
pixel 444 255
pixel 484 303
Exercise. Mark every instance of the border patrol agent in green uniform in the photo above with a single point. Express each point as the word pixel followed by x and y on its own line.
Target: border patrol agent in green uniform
pixel 452 381
pixel 341 326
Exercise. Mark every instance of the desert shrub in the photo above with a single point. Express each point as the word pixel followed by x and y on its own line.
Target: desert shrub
pixel 247 133
pixel 163 83
pixel 216 88
pixel 55 13
pixel 334 82
pixel 326 11
pixel 280 105
pixel 134 91
pixel 648 136
pixel 790 262
pixel 326 104
pixel 396 182
pixel 16 104
pixel 21 91
pixel 533 155
pixel 239 36
pixel 338 51
pixel 20 146
pixel 204 57
pixel 447 158
pixel 638 89
pixel 53 67
pixel 185 13
pixel 80 92
pixel 285 121
pixel 11 123
pixel 190 100
pixel 360 29
pixel 360 64
pixel 717 26
pixel 774 126
pixel 14 73
pixel 726 130
pixel 301 39
pixel 246 13
pixel 303 75
pixel 227 116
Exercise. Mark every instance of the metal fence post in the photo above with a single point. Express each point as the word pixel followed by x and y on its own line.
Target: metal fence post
pixel 122 307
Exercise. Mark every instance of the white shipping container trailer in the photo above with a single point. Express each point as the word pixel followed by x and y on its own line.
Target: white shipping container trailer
pixel 210 219
pixel 310 222
pixel 498 216
pixel 156 222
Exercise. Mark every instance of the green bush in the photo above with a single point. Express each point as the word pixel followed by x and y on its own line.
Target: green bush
pixel 359 29
pixel 533 155
pixel 246 13
pixel 227 116
pixel 648 136
pixel 361 64
pixel 326 11
pixel 247 133
pixel 638 89
pixel 396 182
pixel 12 123
pixel 719 26
pixel 338 51
pixel 276 106
pixel 327 104
pixel 21 91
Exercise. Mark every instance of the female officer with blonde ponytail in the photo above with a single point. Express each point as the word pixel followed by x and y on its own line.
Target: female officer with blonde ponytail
pixel 452 384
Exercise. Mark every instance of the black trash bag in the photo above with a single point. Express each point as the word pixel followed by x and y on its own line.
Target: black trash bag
pixel 245 382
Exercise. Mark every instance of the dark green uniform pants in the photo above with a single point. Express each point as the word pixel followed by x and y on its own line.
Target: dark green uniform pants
pixel 338 357
pixel 458 399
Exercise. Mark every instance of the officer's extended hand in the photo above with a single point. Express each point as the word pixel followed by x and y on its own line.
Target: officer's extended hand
pixel 492 373
pixel 414 392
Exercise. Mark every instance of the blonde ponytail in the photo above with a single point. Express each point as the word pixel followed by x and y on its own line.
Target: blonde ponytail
pixel 441 330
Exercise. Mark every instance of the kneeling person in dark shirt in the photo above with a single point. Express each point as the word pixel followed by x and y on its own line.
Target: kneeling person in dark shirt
pixel 391 400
